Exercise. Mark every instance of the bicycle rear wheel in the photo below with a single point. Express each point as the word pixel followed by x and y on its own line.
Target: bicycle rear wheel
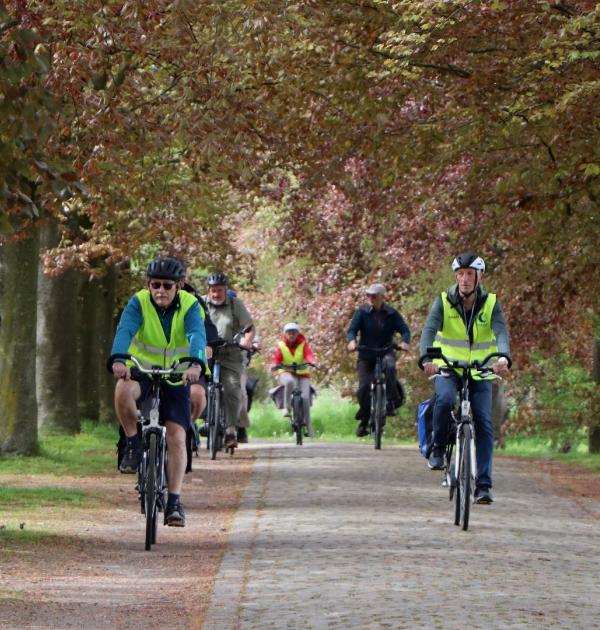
pixel 150 490
pixel 379 412
pixel 464 476
pixel 297 417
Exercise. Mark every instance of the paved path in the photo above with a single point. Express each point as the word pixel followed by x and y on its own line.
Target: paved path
pixel 342 536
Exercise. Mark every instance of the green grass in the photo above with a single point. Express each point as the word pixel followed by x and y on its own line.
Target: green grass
pixel 20 497
pixel 332 419
pixel 542 448
pixel 91 452
pixel 15 534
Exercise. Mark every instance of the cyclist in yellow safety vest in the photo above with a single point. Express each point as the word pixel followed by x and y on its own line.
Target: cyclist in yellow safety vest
pixel 467 323
pixel 294 348
pixel 159 324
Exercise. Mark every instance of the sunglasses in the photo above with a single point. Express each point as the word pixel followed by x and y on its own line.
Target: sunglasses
pixel 157 284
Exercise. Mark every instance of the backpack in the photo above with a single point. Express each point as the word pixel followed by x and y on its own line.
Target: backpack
pixel 425 426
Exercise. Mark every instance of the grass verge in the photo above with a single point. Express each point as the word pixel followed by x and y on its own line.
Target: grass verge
pixel 542 448
pixel 91 452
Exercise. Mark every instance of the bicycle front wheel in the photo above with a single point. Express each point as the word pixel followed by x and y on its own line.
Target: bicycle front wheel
pixel 379 412
pixel 150 491
pixel 297 417
pixel 464 476
pixel 215 425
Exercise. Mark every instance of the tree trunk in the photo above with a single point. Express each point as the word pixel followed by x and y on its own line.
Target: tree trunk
pixel 106 331
pixel 18 285
pixel 594 434
pixel 89 302
pixel 57 365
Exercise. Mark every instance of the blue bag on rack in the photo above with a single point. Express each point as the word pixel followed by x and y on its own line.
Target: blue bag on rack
pixel 425 426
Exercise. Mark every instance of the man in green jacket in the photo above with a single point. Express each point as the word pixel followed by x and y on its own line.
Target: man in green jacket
pixel 468 324
pixel 159 324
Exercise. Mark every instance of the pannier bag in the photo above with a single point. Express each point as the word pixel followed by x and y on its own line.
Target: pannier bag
pixel 425 426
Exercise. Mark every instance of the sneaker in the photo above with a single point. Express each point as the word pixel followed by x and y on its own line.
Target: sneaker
pixel 131 460
pixel 285 413
pixel 203 430
pixel 309 431
pixel 242 435
pixel 436 459
pixel 230 439
pixel 175 516
pixel 361 430
pixel 483 496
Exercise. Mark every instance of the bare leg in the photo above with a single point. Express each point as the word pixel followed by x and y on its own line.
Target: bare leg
pixel 126 393
pixel 177 456
pixel 198 398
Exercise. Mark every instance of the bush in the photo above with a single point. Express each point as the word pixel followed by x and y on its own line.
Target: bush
pixel 555 401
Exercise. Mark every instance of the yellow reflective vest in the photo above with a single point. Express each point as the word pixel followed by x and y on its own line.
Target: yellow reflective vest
pixel 297 357
pixel 149 344
pixel 453 337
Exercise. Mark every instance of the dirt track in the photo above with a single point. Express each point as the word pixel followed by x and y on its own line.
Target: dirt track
pixel 326 536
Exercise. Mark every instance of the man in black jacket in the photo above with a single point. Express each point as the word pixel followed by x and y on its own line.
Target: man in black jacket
pixel 376 322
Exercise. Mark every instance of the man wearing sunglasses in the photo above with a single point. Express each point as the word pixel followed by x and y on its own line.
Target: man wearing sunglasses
pixel 160 323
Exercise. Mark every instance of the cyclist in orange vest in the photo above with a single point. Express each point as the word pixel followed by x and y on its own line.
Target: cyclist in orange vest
pixel 294 348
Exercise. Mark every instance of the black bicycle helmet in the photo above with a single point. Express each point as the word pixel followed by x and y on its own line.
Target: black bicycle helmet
pixel 217 280
pixel 166 267
pixel 468 260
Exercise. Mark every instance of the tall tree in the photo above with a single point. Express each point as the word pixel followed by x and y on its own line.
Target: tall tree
pixel 57 364
pixel 18 282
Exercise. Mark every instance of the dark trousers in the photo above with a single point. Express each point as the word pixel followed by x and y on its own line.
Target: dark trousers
pixel 480 393
pixel 366 372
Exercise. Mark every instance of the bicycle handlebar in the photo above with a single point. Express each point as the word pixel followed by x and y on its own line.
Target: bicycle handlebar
pixel 176 366
pixel 480 366
pixel 382 350
pixel 294 367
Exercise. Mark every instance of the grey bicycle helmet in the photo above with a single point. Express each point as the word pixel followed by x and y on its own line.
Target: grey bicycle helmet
pixel 217 280
pixel 468 260
pixel 166 267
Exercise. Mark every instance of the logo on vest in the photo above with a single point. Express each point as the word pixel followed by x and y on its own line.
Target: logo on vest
pixel 482 319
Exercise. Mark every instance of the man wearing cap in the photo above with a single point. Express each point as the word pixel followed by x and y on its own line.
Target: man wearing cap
pixel 376 322
pixel 294 348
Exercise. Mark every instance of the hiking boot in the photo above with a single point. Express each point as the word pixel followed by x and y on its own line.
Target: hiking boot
pixel 285 413
pixel 131 460
pixel 391 411
pixel 242 435
pixel 483 496
pixel 436 459
pixel 175 516
pixel 203 430
pixel 309 431
pixel 230 439
pixel 361 430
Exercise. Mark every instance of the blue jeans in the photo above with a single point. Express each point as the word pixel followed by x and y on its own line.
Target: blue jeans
pixel 480 393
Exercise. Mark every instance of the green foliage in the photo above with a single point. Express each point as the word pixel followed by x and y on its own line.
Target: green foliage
pixel 555 401
pixel 92 452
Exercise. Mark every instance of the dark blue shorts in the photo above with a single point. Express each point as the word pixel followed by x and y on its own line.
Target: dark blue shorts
pixel 174 404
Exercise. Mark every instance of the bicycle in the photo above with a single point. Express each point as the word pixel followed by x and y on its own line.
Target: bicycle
pixel 152 471
pixel 215 409
pixel 378 393
pixel 297 406
pixel 460 473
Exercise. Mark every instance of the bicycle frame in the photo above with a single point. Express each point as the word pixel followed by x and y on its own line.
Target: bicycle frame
pixel 297 419
pixel 152 474
pixel 461 475
pixel 378 393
